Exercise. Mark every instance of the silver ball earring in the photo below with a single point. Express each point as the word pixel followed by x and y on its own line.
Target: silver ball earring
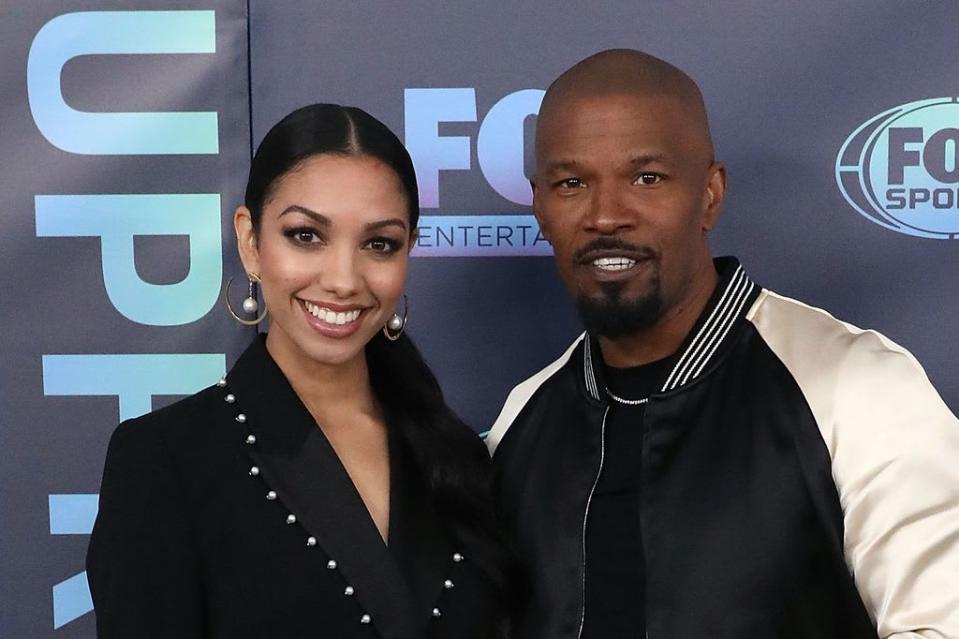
pixel 396 325
pixel 250 305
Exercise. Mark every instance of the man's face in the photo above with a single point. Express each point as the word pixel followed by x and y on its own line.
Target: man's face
pixel 625 191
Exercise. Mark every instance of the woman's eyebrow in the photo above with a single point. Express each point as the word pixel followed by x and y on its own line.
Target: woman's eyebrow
pixel 319 218
pixel 393 221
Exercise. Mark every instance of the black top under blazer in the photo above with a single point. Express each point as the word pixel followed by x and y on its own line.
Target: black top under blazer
pixel 228 514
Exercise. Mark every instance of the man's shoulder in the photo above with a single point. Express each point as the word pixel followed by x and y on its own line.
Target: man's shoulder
pixel 528 390
pixel 800 333
pixel 853 379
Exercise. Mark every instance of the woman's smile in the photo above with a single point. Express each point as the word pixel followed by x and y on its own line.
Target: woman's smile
pixel 332 320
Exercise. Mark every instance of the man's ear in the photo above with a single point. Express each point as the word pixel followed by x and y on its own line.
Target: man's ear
pixel 714 195
pixel 536 210
pixel 246 240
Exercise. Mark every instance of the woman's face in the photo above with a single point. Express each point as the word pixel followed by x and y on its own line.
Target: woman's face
pixel 332 253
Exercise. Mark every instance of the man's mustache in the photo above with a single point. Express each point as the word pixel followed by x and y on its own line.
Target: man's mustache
pixel 628 249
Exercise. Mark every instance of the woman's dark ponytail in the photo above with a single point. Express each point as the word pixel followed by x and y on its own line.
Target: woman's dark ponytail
pixel 448 453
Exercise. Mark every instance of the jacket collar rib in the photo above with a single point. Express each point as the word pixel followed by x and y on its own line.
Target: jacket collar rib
pixel 706 342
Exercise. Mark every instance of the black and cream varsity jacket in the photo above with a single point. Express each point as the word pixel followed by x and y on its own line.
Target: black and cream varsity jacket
pixel 800 480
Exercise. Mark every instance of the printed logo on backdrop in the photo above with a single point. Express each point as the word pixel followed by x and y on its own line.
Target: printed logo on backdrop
pixel 901 169
pixel 116 219
pixel 500 152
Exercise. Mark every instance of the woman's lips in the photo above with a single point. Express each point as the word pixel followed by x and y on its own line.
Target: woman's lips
pixel 332 322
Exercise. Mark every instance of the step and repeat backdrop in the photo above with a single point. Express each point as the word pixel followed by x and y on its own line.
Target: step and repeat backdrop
pixel 127 128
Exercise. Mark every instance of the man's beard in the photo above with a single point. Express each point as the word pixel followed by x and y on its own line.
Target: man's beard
pixel 612 316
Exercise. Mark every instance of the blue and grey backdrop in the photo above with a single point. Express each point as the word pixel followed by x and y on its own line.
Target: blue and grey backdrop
pixel 127 126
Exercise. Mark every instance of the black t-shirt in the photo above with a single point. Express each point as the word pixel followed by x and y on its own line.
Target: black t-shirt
pixel 615 566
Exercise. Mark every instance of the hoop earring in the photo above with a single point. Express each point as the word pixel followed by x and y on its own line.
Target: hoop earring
pixel 250 305
pixel 396 325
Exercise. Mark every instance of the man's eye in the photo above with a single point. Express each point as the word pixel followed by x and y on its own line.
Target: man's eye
pixel 572 183
pixel 649 178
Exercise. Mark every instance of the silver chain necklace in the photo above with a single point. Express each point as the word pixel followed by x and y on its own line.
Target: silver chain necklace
pixel 623 400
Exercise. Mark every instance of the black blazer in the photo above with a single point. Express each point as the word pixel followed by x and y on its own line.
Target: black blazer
pixel 228 514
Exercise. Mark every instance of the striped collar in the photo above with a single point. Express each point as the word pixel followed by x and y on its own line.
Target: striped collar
pixel 724 311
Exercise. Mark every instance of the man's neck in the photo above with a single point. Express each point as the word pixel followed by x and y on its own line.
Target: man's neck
pixel 666 336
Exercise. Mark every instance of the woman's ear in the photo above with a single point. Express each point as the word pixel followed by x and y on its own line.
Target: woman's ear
pixel 246 240
pixel 414 236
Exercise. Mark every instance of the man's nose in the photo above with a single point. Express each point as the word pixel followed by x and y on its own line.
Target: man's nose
pixel 609 212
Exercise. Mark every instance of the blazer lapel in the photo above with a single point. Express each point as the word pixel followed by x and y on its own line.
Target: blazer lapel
pixel 296 460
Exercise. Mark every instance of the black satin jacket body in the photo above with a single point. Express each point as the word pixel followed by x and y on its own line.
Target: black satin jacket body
pixel 742 529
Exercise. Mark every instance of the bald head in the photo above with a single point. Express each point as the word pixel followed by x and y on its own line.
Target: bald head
pixel 625 73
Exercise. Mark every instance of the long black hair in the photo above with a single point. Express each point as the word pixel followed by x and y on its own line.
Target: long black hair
pixel 447 453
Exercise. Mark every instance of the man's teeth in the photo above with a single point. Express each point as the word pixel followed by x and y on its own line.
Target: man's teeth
pixel 331 317
pixel 614 263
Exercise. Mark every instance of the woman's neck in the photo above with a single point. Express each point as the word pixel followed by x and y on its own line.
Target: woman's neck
pixel 327 390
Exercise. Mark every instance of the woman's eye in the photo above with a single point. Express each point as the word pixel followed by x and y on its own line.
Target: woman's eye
pixel 303 235
pixel 649 178
pixel 383 245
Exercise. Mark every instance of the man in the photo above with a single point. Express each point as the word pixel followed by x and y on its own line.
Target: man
pixel 709 459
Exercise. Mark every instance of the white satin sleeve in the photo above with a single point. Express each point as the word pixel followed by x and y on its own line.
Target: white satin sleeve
pixel 894 446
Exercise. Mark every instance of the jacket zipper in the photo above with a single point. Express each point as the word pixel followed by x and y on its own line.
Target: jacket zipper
pixel 599 471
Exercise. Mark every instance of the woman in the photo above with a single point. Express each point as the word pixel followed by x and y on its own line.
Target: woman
pixel 324 488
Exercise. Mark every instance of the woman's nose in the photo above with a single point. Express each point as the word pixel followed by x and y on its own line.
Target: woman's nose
pixel 339 272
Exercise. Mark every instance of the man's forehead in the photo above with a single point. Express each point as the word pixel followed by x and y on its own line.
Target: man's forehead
pixel 613 104
pixel 622 125
pixel 625 159
pixel 595 118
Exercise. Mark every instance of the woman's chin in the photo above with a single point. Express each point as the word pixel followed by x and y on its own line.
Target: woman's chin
pixel 324 346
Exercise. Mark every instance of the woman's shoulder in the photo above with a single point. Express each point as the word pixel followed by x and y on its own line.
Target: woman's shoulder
pixel 189 417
